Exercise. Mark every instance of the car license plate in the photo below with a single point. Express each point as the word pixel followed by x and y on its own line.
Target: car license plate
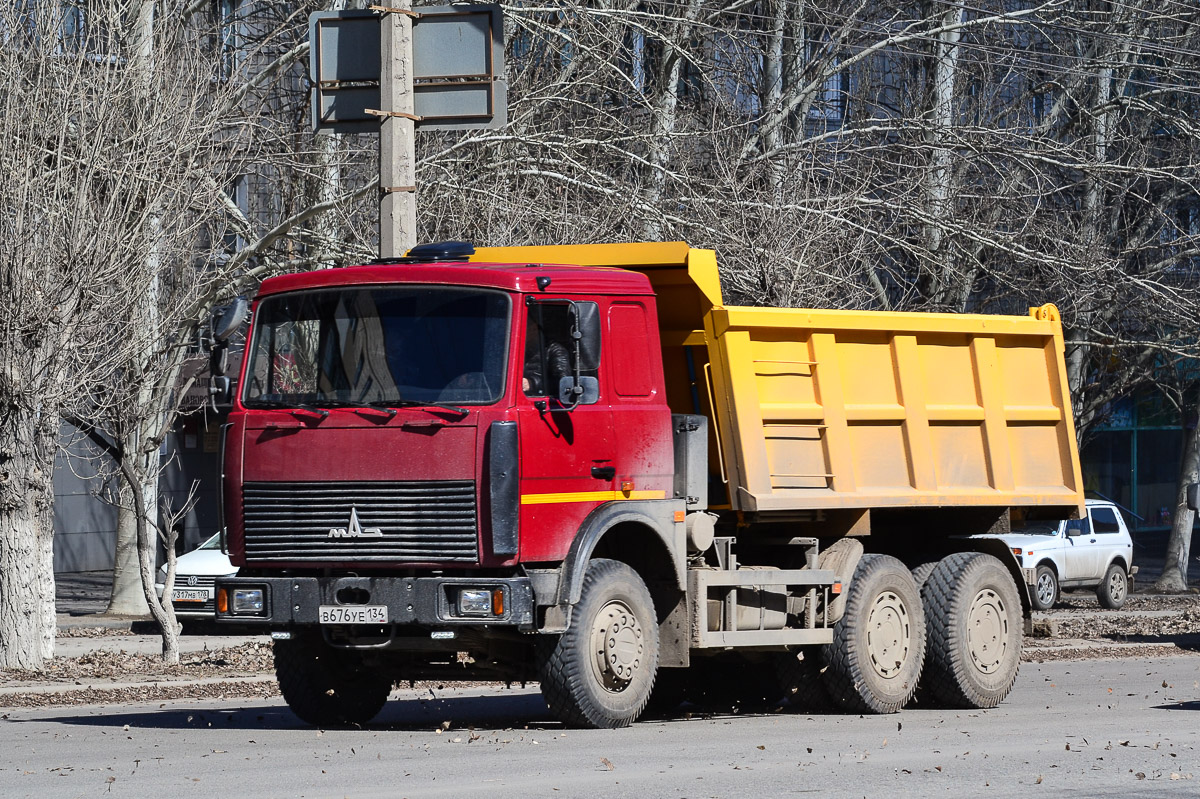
pixel 353 614
pixel 189 595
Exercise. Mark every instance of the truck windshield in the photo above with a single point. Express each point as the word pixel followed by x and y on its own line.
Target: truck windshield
pixel 379 345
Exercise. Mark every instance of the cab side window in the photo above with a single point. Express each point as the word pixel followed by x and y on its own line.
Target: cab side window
pixel 1104 520
pixel 549 350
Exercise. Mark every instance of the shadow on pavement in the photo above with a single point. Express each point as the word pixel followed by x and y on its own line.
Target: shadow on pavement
pixel 1192 705
pixel 1187 641
pixel 410 715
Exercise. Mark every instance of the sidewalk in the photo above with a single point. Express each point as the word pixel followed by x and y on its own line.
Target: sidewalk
pixel 80 601
pixel 81 597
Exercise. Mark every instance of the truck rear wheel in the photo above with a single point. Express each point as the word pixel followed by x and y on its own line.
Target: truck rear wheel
pixel 326 687
pixel 878 647
pixel 600 672
pixel 974 619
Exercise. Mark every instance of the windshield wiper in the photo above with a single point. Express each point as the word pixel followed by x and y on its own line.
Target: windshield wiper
pixel 419 404
pixel 287 406
pixel 356 407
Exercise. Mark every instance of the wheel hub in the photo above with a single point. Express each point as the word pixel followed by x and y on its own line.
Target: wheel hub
pixel 619 645
pixel 1116 586
pixel 1045 589
pixel 888 632
pixel 987 631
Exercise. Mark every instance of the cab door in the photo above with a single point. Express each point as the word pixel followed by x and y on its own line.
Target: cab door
pixel 645 459
pixel 567 453
pixel 1081 554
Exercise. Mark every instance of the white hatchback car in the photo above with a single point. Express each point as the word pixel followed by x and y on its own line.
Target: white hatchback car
pixel 196 573
pixel 1095 552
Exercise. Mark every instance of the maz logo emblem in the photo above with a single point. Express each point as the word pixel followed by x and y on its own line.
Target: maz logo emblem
pixel 355 530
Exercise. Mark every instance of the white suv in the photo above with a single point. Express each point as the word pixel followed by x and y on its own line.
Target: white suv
pixel 1095 552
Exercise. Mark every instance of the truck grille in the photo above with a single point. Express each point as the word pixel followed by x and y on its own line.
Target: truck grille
pixel 417 521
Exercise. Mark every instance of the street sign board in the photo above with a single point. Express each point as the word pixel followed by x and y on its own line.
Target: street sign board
pixel 458 69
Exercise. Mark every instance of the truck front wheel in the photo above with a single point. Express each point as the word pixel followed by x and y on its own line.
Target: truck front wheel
pixel 878 646
pixel 974 619
pixel 600 672
pixel 326 687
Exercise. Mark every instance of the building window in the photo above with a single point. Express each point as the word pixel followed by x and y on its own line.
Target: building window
pixel 228 38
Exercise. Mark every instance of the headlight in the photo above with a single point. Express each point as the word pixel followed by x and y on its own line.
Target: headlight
pixel 474 602
pixel 248 600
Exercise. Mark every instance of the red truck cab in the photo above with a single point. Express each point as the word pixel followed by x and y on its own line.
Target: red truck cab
pixel 399 448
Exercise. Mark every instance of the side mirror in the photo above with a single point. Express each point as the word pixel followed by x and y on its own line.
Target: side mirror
pixel 218 359
pixel 228 320
pixel 585 392
pixel 1193 496
pixel 220 390
pixel 587 332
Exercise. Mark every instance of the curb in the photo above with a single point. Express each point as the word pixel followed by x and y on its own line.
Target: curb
pixel 96 621
pixel 66 688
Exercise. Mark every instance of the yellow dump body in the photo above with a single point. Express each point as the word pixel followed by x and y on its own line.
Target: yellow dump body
pixel 830 410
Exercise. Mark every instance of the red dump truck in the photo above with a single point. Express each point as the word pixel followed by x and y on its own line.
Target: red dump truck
pixel 575 465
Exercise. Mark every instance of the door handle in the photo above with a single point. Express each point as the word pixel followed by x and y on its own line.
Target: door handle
pixel 604 472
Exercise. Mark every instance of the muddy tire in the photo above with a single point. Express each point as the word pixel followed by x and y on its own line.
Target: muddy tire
pixel 1045 588
pixel 974 624
pixel 921 573
pixel 878 646
pixel 601 671
pixel 327 687
pixel 1114 588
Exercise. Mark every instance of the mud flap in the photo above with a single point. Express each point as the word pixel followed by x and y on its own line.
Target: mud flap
pixel 842 559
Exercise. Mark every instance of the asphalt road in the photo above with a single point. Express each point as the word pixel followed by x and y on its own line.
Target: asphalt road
pixel 1071 728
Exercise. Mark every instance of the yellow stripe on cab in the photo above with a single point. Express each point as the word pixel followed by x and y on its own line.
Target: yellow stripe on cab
pixel 589 496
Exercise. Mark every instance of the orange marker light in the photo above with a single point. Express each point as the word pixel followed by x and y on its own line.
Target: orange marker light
pixel 679 515
pixel 836 589
pixel 222 601
pixel 498 602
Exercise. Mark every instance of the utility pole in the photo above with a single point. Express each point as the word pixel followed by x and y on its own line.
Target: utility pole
pixel 397 146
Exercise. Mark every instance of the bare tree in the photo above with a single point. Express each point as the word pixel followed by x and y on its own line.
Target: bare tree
pixel 837 153
pixel 245 134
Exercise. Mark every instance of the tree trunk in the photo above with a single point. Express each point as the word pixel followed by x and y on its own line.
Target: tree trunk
pixel 772 96
pixel 127 598
pixel 27 615
pixel 1175 565
pixel 163 612
pixel 940 178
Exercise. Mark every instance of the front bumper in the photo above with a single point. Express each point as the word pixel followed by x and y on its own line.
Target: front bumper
pixel 412 601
